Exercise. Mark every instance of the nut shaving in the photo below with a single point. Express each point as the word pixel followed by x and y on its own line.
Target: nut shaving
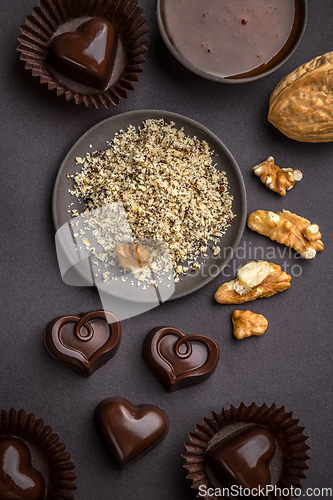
pixel 168 185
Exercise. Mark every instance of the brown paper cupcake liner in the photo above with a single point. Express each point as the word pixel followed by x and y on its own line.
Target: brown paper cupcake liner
pixel 45 448
pixel 54 17
pixel 289 461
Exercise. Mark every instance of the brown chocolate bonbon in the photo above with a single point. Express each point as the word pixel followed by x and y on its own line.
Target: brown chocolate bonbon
pixel 54 17
pixel 243 457
pixel 86 55
pixel 84 342
pixel 34 463
pixel 129 431
pixel 18 478
pixel 179 360
pixel 287 466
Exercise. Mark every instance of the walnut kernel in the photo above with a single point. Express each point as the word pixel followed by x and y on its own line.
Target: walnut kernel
pixel 277 179
pixel 247 323
pixel 133 257
pixel 254 280
pixel 289 229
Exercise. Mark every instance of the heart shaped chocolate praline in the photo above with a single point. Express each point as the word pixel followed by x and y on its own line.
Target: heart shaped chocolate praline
pixel 243 458
pixel 86 55
pixel 18 478
pixel 129 431
pixel 179 360
pixel 84 342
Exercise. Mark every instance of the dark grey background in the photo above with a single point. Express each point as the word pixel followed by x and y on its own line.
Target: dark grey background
pixel 290 365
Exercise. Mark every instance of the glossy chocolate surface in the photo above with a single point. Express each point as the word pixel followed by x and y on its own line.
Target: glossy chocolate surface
pixel 232 39
pixel 179 360
pixel 18 478
pixel 129 431
pixel 84 342
pixel 86 55
pixel 243 458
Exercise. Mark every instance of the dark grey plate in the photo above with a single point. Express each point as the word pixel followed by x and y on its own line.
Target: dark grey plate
pixel 104 131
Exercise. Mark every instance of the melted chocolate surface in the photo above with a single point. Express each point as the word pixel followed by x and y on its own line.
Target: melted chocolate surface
pixel 232 38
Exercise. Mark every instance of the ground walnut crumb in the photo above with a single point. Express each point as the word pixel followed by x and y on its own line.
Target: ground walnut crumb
pixel 167 183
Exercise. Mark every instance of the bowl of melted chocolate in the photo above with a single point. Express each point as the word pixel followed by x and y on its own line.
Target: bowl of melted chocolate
pixel 232 41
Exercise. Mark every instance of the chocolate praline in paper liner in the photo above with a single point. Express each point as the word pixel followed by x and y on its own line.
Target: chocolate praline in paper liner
pixel 53 17
pixel 289 435
pixel 60 476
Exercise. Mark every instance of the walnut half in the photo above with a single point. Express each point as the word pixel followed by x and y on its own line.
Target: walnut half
pixel 133 257
pixel 247 323
pixel 277 179
pixel 289 229
pixel 254 280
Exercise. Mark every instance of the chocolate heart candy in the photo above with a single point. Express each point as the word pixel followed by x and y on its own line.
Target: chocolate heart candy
pixel 18 479
pixel 179 360
pixel 84 342
pixel 129 431
pixel 243 458
pixel 86 55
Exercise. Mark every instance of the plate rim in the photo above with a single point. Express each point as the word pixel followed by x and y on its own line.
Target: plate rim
pixel 166 115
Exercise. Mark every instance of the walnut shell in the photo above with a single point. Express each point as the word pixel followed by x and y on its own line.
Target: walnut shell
pixel 301 105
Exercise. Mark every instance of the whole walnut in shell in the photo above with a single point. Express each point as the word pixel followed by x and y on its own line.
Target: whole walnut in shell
pixel 301 106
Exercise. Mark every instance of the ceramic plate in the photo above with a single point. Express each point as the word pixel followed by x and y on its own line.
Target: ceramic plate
pixel 97 137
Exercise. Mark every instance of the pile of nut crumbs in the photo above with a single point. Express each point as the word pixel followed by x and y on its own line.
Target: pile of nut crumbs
pixel 168 186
